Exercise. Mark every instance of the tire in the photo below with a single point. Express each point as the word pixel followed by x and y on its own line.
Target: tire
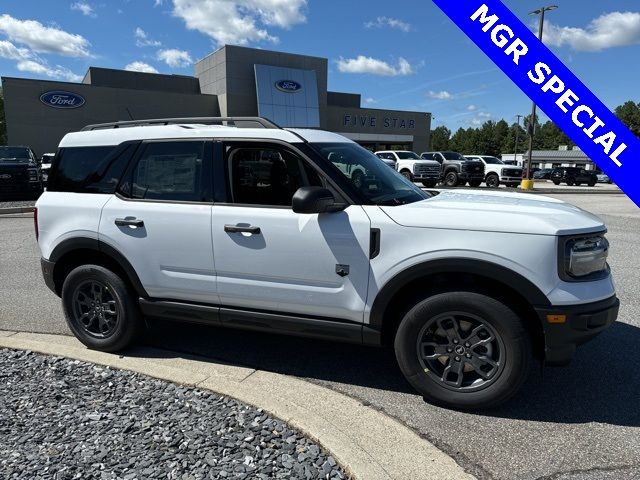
pixel 429 183
pixel 358 179
pixel 119 322
pixel 407 174
pixel 510 350
pixel 577 184
pixel 475 183
pixel 492 180
pixel 570 182
pixel 555 182
pixel 451 179
pixel 592 183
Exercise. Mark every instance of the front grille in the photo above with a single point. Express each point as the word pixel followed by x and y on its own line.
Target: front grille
pixel 9 176
pixel 426 169
pixel 475 168
pixel 512 172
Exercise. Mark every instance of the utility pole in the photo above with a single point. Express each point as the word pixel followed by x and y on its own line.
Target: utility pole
pixel 528 184
pixel 515 151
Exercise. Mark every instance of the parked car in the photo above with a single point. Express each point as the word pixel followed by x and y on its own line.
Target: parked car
pixel 544 174
pixel 603 178
pixel 415 169
pixel 388 158
pixel 45 165
pixel 19 172
pixel 496 171
pixel 467 287
pixel 533 171
pixel 573 176
pixel 456 169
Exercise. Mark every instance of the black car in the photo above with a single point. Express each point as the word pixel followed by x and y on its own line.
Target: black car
pixel 544 174
pixel 573 176
pixel 20 173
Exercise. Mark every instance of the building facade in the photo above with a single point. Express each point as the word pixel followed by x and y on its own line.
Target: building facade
pixel 289 89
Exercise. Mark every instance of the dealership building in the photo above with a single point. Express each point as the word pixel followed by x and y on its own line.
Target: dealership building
pixel 291 90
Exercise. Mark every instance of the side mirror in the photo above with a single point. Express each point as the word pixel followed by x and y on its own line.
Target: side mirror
pixel 315 200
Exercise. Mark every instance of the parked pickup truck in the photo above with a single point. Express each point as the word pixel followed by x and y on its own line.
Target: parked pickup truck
pixel 19 172
pixel 456 169
pixel 497 172
pixel 413 167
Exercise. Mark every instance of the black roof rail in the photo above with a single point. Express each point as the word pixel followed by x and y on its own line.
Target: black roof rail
pixel 240 122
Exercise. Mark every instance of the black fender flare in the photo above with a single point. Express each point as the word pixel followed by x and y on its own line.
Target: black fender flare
pixel 86 243
pixel 482 268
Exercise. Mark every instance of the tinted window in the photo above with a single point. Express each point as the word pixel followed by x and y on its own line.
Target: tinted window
pixel 171 171
pixel 407 155
pixel 427 156
pixel 89 169
pixel 452 156
pixel 267 176
pixel 15 154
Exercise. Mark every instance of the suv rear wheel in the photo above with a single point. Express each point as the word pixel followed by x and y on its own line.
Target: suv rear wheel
pixel 463 350
pixel 100 308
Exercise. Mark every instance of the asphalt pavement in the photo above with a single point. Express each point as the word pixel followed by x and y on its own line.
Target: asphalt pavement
pixel 578 422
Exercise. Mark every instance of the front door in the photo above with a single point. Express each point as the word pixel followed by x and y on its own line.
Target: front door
pixel 161 220
pixel 269 258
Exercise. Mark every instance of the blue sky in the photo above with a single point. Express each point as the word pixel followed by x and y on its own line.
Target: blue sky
pixel 402 54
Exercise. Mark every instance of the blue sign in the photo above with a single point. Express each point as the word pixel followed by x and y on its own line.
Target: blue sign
pixel 60 99
pixel 288 86
pixel 552 86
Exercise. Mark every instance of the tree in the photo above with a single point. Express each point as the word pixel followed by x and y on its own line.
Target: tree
pixel 629 114
pixel 3 122
pixel 440 138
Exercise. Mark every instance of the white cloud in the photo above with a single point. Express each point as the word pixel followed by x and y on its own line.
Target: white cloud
pixel 382 22
pixel 370 100
pixel 10 51
pixel 615 29
pixel 480 118
pixel 85 8
pixel 238 21
pixel 143 40
pixel 373 66
pixel 442 95
pixel 140 67
pixel 472 108
pixel 57 72
pixel 158 3
pixel 43 39
pixel 175 58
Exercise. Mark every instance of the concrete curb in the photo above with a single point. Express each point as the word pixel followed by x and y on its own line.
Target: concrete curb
pixel 368 443
pixel 14 210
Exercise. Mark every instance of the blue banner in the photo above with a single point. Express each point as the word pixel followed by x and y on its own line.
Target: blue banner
pixel 550 84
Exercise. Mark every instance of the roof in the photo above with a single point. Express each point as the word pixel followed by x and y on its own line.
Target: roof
pixel 559 154
pixel 115 136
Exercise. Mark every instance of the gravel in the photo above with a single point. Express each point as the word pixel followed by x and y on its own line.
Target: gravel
pixel 64 419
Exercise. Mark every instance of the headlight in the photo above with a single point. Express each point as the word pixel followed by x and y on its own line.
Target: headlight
pixel 584 258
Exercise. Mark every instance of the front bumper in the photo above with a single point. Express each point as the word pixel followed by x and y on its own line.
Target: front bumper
pixel 581 324
pixel 471 176
pixel 426 176
pixel 511 179
pixel 47 274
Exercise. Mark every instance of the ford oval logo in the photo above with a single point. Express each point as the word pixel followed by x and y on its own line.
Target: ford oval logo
pixel 60 99
pixel 288 86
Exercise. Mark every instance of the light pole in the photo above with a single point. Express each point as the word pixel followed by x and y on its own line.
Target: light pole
pixel 515 152
pixel 528 184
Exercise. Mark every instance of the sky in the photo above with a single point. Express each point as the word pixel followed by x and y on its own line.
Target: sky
pixel 404 55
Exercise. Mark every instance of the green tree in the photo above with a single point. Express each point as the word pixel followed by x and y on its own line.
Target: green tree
pixel 3 122
pixel 440 138
pixel 629 114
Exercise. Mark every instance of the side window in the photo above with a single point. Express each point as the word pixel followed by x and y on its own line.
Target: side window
pixel 170 171
pixel 267 175
pixel 89 169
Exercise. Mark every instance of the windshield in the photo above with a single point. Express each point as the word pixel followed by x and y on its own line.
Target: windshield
pixel 377 183
pixel 452 156
pixel 14 154
pixel 493 161
pixel 408 155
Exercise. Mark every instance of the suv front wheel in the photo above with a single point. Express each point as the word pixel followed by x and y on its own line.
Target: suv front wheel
pixel 100 308
pixel 463 350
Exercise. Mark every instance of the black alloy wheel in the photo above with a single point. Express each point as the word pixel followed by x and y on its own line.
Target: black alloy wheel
pixel 451 179
pixel 493 181
pixel 95 309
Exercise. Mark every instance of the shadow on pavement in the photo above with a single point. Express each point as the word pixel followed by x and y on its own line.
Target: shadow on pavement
pixel 602 384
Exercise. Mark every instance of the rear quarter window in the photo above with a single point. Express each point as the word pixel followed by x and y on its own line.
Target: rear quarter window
pixel 89 169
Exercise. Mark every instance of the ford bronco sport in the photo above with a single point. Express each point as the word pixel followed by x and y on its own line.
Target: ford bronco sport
pixel 240 223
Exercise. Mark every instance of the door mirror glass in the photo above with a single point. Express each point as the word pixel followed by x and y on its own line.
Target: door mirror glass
pixel 315 200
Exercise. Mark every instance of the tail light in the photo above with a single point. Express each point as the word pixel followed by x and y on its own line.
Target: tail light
pixel 35 222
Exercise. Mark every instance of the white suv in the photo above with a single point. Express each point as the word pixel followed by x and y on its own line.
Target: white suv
pixel 261 228
pixel 410 165
pixel 496 171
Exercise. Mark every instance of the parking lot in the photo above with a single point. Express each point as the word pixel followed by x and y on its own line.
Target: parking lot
pixel 576 422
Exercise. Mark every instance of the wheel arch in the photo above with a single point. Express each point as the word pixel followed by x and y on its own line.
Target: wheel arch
pixel 74 252
pixel 439 276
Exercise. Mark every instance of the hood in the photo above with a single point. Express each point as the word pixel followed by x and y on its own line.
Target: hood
pixel 10 164
pixel 496 212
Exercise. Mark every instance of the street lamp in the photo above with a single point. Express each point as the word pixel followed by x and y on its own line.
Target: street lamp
pixel 528 184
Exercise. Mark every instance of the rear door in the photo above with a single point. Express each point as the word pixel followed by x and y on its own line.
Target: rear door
pixel 160 219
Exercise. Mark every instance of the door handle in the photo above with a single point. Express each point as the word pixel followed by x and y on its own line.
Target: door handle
pixel 129 222
pixel 239 229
